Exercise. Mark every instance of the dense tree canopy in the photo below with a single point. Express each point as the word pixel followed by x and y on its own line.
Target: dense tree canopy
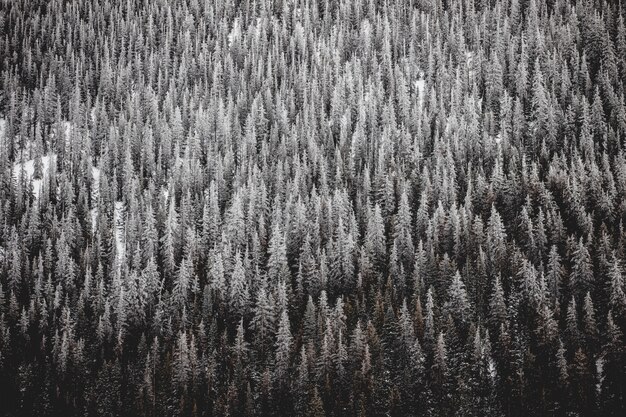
pixel 312 207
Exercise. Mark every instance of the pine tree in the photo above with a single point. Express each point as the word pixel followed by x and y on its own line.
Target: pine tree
pixel 440 374
pixel 375 241
pixel 277 266
pixel 182 284
pixel 612 388
pixel 572 333
pixel 302 386
pixel 457 304
pixel 429 320
pixel 239 294
pixel 581 275
pixel 582 383
pixel 617 298
pixel 496 236
pixel 590 328
pixel 168 241
pixel 235 223
pixel 540 104
pixel 284 342
pixel 240 353
pixel 263 320
pixel 316 405
pixel 497 306
pixel 403 228
pixel 554 275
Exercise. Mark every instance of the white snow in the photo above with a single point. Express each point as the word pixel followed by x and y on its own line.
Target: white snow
pixel 120 241
pixel 29 170
pixel 29 165
pixel 94 218
pixel 68 131
pixel 95 193
pixel 95 189
pixel 118 217
pixel 491 367
pixel 469 62
pixel 420 85
pixel 235 33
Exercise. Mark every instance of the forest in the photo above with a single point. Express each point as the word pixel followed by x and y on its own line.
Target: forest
pixel 312 208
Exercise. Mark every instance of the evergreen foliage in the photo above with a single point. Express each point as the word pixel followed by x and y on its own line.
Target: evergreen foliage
pixel 312 208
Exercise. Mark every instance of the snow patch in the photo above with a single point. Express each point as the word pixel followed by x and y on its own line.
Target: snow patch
pixel 94 219
pixel 235 33
pixel 95 185
pixel 420 85
pixel 95 194
pixel 29 171
pixel 469 62
pixel 68 131
pixel 120 241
